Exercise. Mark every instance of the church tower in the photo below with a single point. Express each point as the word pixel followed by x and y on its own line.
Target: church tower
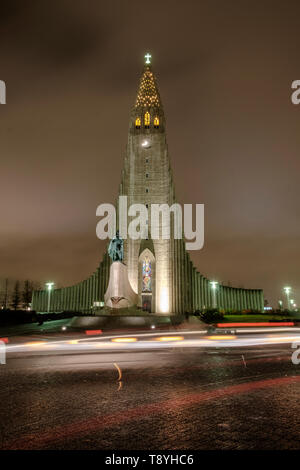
pixel 159 270
pixel 147 179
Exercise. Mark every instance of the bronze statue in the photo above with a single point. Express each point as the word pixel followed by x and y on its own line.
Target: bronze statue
pixel 115 249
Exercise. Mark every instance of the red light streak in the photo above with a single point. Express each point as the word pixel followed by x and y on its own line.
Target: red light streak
pixel 230 325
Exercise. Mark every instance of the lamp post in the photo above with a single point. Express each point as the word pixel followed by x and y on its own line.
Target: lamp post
pixel 214 297
pixel 280 305
pixel 49 287
pixel 287 291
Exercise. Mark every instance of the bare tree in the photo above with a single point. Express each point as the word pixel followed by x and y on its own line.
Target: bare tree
pixel 16 296
pixel 4 295
pixel 27 293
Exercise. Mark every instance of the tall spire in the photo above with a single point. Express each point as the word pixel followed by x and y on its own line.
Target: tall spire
pixel 148 94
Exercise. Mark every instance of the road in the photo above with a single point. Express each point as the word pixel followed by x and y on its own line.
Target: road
pixel 191 391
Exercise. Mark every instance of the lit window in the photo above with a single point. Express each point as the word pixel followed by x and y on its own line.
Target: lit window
pixel 147 275
pixel 147 120
pixel 138 123
pixel 156 122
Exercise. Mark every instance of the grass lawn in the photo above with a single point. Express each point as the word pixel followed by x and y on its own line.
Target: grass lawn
pixel 256 318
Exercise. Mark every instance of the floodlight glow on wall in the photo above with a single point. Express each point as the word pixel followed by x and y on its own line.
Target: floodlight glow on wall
pixel 164 300
pixel 287 291
pixel 214 296
pixel 49 287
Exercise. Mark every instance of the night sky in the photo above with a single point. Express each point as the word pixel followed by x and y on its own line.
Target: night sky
pixel 224 71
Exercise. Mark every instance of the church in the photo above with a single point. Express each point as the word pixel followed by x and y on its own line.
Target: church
pixel 160 271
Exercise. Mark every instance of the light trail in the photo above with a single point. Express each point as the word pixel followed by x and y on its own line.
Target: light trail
pixel 124 340
pixel 170 338
pixel 150 341
pixel 249 324
pixel 265 330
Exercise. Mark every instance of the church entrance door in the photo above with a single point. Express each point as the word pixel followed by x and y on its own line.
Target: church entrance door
pixel 146 302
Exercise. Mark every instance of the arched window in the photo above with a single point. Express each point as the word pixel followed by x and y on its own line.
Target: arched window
pixel 137 123
pixel 147 120
pixel 146 275
pixel 156 122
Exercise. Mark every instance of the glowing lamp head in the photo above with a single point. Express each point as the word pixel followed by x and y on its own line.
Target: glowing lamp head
pixel 287 290
pixel 49 285
pixel 213 284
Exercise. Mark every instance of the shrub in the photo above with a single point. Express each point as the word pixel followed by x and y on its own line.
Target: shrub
pixel 211 316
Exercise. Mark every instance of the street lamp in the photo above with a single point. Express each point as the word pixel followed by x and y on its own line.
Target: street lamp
pixel 280 304
pixel 49 287
pixel 287 291
pixel 214 297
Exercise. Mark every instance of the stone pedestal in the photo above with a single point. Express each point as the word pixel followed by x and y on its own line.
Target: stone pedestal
pixel 119 292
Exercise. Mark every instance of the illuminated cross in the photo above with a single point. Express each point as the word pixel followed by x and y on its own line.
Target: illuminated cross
pixel 148 57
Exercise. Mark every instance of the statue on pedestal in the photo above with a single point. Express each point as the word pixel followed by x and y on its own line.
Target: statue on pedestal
pixel 115 249
pixel 119 292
